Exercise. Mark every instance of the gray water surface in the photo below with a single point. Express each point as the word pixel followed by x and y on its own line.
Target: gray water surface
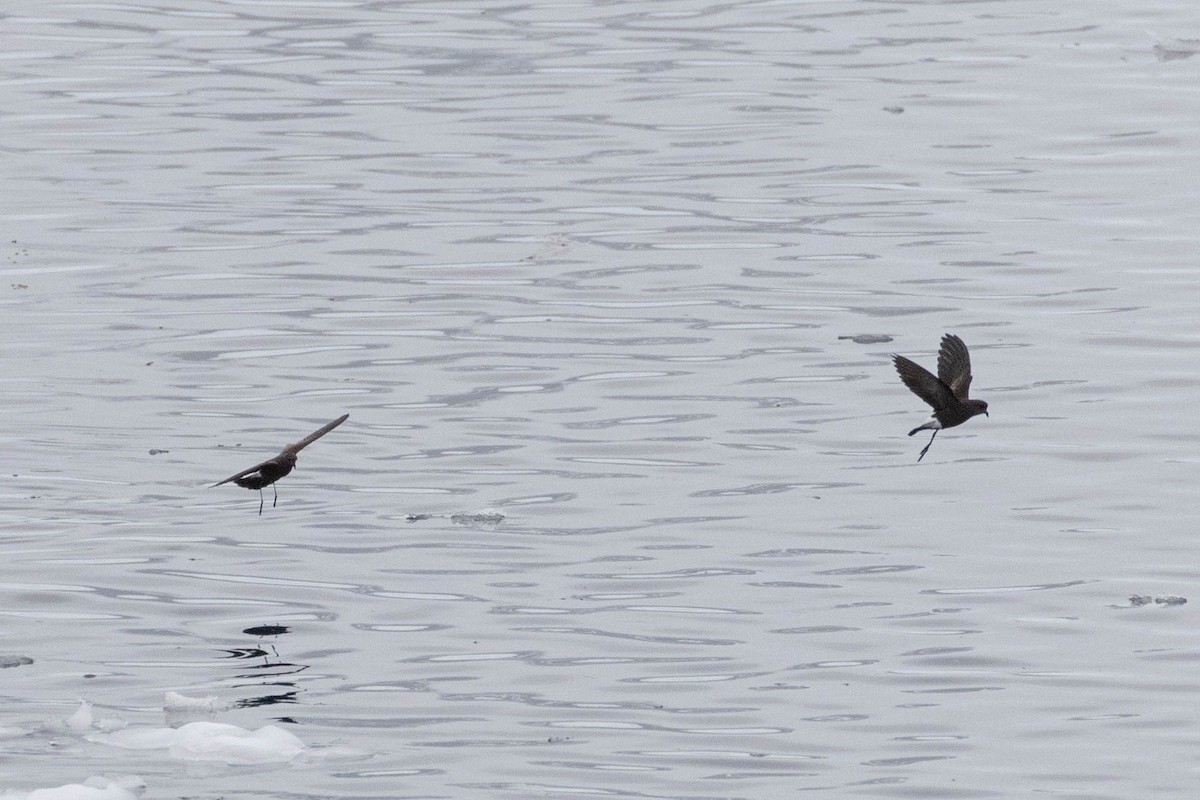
pixel 595 267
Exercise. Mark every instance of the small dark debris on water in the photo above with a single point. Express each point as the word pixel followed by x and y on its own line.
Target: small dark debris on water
pixel 1182 48
pixel 894 109
pixel 7 661
pixel 868 338
pixel 156 452
pixel 1138 600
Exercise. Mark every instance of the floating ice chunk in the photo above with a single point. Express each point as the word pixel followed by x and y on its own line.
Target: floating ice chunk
pixel 870 338
pixel 488 516
pixel 216 741
pixel 175 702
pixel 94 788
pixel 210 741
pixel 137 738
pixel 82 719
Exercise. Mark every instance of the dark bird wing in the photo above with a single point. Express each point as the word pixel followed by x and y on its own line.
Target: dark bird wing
pixel 924 384
pixel 954 365
pixel 246 472
pixel 283 459
pixel 312 437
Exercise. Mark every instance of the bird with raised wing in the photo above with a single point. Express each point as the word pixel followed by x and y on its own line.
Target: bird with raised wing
pixel 947 392
pixel 271 470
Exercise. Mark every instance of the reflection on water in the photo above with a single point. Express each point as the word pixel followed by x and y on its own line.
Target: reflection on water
pixel 610 291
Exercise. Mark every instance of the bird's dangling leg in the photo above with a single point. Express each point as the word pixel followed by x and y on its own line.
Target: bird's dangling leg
pixel 260 502
pixel 926 449
pixel 276 500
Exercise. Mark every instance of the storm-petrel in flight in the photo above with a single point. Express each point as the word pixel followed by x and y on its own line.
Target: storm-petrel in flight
pixel 271 470
pixel 947 392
